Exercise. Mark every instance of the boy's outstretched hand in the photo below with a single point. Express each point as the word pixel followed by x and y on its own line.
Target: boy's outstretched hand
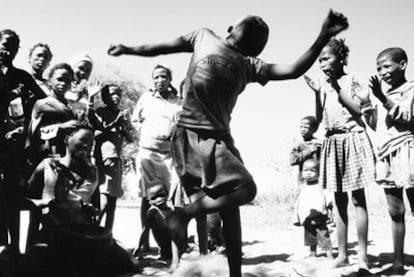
pixel 116 50
pixel 334 23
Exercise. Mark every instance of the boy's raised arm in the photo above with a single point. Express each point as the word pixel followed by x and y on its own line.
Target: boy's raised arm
pixel 176 45
pixel 334 23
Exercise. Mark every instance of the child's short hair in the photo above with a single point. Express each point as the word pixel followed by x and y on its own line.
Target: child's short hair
pixel 339 49
pixel 255 34
pixel 313 122
pixel 60 66
pixel 84 125
pixel 42 45
pixel 169 72
pixel 396 54
pixel 10 33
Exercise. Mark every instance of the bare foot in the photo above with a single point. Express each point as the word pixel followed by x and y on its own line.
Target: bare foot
pixel 394 271
pixel 363 263
pixel 340 262
pixel 177 224
pixel 362 272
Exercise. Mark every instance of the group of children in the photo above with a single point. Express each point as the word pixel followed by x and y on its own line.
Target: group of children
pixel 49 127
pixel 349 159
pixel 200 144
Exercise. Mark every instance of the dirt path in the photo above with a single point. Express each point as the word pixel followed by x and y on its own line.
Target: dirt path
pixel 276 248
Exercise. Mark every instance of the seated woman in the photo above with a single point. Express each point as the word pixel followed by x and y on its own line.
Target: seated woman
pixel 74 243
pixel 67 183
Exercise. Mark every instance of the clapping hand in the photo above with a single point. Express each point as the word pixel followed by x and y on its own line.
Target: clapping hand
pixel 314 85
pixel 334 23
pixel 375 85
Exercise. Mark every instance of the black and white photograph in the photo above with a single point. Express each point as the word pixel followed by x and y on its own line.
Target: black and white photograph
pixel 206 138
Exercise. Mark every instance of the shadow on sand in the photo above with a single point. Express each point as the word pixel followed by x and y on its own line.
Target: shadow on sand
pixel 267 259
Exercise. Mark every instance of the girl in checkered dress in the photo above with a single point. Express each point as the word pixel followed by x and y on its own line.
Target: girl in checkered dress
pixel 347 159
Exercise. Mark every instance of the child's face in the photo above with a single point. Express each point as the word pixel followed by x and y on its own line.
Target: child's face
pixel 80 144
pixel 115 96
pixel 390 71
pixel 8 49
pixel 161 79
pixel 82 70
pixel 39 59
pixel 60 82
pixel 329 62
pixel 310 171
pixel 157 195
pixel 305 129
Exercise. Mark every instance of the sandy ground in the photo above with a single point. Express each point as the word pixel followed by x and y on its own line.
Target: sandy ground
pixel 276 249
pixel 270 247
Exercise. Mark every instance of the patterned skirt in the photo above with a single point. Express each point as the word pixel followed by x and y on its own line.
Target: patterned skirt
pixel 347 162
pixel 396 170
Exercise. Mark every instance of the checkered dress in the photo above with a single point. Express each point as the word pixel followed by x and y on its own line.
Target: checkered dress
pixel 347 162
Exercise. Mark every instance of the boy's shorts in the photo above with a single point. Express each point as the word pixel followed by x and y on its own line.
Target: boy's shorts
pixel 208 160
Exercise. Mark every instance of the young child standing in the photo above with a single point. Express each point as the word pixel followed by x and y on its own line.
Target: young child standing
pixel 203 148
pixel 112 127
pixel 347 159
pixel 156 219
pixel 395 166
pixel 306 147
pixel 312 209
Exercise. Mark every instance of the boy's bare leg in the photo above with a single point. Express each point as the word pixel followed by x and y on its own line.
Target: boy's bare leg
pixel 178 219
pixel 358 199
pixel 201 221
pixel 233 240
pixel 143 213
pixel 341 208
pixel 110 213
pixel 396 210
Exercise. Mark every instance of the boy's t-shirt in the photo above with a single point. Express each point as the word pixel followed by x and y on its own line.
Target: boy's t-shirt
pixel 216 76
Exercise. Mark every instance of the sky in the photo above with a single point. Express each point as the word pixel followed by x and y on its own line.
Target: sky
pixel 265 119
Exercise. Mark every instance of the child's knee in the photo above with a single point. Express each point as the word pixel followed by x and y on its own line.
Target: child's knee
pixel 251 191
pixel 397 213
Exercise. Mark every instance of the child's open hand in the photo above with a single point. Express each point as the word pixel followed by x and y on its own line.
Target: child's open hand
pixel 375 85
pixel 314 85
pixel 116 50
pixel 334 23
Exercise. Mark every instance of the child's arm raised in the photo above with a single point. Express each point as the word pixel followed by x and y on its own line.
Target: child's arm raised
pixel 176 45
pixel 333 24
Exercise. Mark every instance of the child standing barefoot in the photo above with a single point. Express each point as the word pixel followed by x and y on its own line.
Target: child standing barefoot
pixel 347 160
pixel 203 148
pixel 312 211
pixel 395 167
